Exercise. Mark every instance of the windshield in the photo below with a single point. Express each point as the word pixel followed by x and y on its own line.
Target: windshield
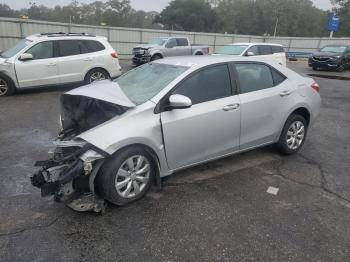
pixel 231 50
pixel 334 49
pixel 157 41
pixel 144 82
pixel 15 49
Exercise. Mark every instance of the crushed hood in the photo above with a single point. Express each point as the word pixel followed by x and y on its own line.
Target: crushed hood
pixel 89 106
pixel 105 90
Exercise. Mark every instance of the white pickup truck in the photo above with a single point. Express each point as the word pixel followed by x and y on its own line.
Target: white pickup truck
pixel 162 47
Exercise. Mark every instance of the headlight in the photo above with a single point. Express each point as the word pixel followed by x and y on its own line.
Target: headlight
pixel 337 56
pixel 91 156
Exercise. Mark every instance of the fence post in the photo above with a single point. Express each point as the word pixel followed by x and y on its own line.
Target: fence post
pixel 214 43
pixel 289 44
pixel 233 38
pixel 319 43
pixel 141 37
pixel 21 29
pixel 194 38
pixel 109 34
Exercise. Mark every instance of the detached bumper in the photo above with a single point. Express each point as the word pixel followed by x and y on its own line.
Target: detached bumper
pixel 71 180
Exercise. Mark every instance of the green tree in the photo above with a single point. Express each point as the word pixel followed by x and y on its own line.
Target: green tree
pixel 189 15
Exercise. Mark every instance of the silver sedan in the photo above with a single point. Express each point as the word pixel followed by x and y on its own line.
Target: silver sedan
pixel 119 137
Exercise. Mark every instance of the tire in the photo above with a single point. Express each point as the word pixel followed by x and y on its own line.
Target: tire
pixel 7 88
pixel 156 57
pixel 199 53
pixel 314 68
pixel 116 172
pixel 95 75
pixel 341 67
pixel 293 135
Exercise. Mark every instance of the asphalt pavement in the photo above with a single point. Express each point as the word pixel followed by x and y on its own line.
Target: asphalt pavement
pixel 214 212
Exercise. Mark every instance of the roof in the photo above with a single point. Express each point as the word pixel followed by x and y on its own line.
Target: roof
pixel 61 35
pixel 255 44
pixel 200 61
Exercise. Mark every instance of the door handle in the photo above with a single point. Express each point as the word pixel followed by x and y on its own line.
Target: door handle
pixel 285 93
pixel 51 64
pixel 231 107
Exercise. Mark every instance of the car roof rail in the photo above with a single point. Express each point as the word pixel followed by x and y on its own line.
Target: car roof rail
pixel 65 34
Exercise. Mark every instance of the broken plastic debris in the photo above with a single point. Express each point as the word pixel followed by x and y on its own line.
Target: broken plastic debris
pixel 273 190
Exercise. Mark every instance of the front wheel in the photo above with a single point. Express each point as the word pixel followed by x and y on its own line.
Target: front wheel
pixel 7 88
pixel 126 176
pixel 293 135
pixel 156 57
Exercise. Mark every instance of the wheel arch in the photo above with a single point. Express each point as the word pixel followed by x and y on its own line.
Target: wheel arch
pixel 155 158
pixel 9 78
pixel 157 53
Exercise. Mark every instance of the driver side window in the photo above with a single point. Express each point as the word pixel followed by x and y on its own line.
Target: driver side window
pixel 41 50
pixel 171 43
pixel 254 49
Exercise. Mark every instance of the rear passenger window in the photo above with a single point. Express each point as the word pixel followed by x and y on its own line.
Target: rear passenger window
pixel 206 85
pixel 69 47
pixel 265 50
pixel 278 78
pixel 277 49
pixel 254 49
pixel 254 77
pixel 182 42
pixel 90 46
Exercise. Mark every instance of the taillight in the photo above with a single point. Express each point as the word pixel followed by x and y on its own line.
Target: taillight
pixel 114 55
pixel 316 87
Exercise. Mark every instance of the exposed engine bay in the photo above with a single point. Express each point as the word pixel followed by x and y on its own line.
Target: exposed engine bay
pixel 70 173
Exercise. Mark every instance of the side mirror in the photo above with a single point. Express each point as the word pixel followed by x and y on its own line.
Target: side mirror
pixel 250 54
pixel 179 102
pixel 26 56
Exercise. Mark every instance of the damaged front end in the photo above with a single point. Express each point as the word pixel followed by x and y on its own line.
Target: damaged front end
pixel 69 175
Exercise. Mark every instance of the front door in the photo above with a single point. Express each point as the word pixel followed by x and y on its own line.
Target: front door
pixel 41 70
pixel 211 127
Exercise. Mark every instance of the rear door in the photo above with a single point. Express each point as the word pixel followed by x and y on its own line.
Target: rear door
pixel 40 71
pixel 208 129
pixel 266 96
pixel 73 61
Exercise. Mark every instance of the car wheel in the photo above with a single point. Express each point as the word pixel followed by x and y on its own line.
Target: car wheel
pixel 156 57
pixel 126 176
pixel 293 135
pixel 95 75
pixel 341 67
pixel 314 68
pixel 6 86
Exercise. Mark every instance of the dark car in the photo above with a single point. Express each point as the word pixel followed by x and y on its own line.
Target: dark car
pixel 335 57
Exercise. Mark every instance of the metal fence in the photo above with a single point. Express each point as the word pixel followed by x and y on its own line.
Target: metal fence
pixel 123 39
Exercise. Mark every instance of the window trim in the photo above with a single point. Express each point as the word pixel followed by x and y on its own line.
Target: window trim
pixel 239 91
pixel 160 107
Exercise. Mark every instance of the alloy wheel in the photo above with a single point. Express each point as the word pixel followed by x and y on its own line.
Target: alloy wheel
pixel 97 76
pixel 3 87
pixel 133 176
pixel 295 135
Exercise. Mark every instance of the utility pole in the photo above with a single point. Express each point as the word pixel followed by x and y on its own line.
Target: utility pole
pixel 276 25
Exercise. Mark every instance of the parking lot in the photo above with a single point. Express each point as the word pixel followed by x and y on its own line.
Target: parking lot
pixel 214 212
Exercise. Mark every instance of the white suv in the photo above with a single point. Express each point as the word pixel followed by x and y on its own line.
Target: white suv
pixel 274 52
pixel 57 59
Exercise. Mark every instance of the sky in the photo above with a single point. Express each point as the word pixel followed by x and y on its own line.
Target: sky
pixel 147 5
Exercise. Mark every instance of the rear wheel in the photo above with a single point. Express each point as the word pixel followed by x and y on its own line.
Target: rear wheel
pixel 7 87
pixel 127 176
pixel 293 135
pixel 95 75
